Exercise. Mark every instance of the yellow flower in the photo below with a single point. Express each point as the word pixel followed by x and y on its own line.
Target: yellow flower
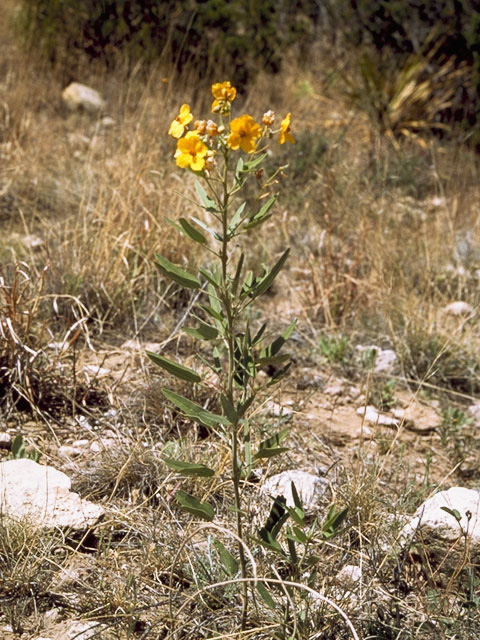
pixel 178 125
pixel 224 95
pixel 244 132
pixel 285 130
pixel 191 152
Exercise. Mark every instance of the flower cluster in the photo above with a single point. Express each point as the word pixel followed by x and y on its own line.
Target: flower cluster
pixel 196 148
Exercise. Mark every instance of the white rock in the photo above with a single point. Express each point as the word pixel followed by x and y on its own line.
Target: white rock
pixel 107 122
pixel 349 574
pixel 441 536
pixel 75 629
pixel 42 495
pixel 310 488
pixel 458 308
pixel 385 359
pixel 334 390
pixel 94 370
pixel 5 440
pixel 68 451
pixel 372 416
pixel 278 410
pixel 78 95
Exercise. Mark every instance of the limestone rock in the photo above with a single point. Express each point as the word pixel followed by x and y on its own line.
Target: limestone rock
pixel 42 495
pixel 78 629
pixel 384 359
pixel 5 440
pixel 372 416
pixel 310 488
pixel 440 537
pixel 458 308
pixel 79 96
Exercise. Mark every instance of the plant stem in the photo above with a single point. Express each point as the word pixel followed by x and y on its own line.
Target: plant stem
pixel 229 311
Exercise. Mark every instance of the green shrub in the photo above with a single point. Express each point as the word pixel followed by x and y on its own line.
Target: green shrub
pixel 210 36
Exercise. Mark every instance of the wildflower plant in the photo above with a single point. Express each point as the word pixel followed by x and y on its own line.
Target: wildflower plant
pixel 225 153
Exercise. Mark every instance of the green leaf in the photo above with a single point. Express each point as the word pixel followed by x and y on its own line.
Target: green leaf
pixel 191 232
pixel 296 513
pixel 242 407
pixel 278 359
pixel 176 274
pixel 189 468
pixel 188 230
pixel 276 519
pixel 453 512
pixel 18 447
pixel 275 440
pixel 194 411
pixel 207 202
pixel 259 334
pixel 333 521
pixel 299 535
pixel 269 453
pixel 228 409
pixel 228 561
pixel 236 219
pixel 291 549
pixel 278 343
pixel 251 164
pixel 262 215
pixel 254 287
pixel 208 229
pixel 296 498
pixel 178 370
pixel 190 504
pixel 204 331
pixel 211 312
pixel 210 277
pixel 239 167
pixel 238 273
pixel 265 595
pixel 269 277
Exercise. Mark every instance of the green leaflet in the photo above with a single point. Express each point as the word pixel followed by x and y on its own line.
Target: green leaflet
pixel 207 203
pixel 265 595
pixel 262 215
pixel 268 278
pixel 204 331
pixel 189 468
pixel 228 409
pixel 192 232
pixel 190 504
pixel 176 274
pixel 194 411
pixel 269 453
pixel 229 563
pixel 178 370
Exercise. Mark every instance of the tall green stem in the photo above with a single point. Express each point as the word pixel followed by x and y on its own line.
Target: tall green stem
pixel 230 314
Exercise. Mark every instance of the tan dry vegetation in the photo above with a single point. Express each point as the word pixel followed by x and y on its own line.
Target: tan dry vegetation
pixel 376 235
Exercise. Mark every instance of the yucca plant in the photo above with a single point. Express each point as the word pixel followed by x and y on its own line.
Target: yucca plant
pixel 407 101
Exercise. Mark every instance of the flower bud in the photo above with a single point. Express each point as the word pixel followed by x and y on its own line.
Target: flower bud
pixel 200 126
pixel 210 161
pixel 268 118
pixel 211 128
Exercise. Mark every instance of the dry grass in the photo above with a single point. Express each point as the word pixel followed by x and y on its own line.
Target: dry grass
pixel 382 239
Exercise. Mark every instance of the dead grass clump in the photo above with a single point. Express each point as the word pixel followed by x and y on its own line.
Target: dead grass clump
pixel 28 561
